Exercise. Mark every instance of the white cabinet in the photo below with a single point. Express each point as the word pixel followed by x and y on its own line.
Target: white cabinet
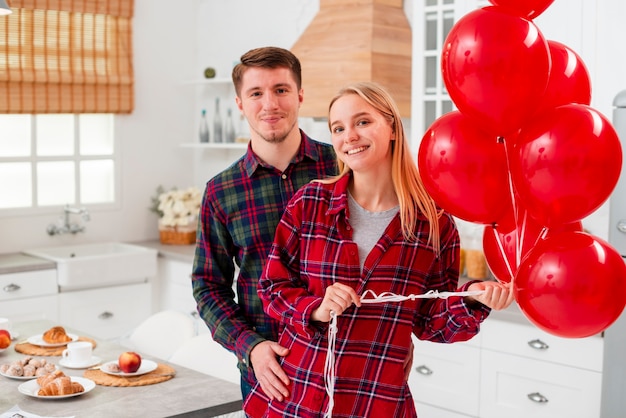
pixel 175 286
pixel 175 291
pixel 29 295
pixel 446 376
pixel 527 372
pixel 108 312
pixel 510 369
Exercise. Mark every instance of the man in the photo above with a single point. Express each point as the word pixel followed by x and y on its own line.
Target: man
pixel 242 207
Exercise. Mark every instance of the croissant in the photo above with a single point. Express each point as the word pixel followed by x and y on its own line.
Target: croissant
pixel 56 335
pixel 61 386
pixel 45 379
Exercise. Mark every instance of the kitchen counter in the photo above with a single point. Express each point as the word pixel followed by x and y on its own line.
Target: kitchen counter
pixel 188 394
pixel 17 263
pixel 177 252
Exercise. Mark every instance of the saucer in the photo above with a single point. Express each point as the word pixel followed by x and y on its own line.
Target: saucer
pixel 94 360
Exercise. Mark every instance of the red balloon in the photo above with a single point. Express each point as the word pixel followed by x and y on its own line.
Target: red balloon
pixel 464 169
pixel 566 164
pixel 569 79
pixel 495 67
pixel 505 250
pixel 571 285
pixel 528 9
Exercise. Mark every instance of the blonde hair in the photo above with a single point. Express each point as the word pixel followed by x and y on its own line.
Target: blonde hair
pixel 412 195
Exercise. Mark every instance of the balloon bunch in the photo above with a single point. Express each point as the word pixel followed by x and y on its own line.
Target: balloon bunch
pixel 526 156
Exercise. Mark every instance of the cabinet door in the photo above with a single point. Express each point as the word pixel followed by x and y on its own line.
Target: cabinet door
pixel 517 387
pixel 106 313
pixel 429 411
pixel 526 340
pixel 30 309
pixel 446 376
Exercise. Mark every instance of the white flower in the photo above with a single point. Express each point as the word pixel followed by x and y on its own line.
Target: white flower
pixel 179 207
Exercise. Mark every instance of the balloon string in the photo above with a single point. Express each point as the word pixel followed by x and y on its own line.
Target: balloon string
pixel 509 269
pixel 518 248
pixel 329 364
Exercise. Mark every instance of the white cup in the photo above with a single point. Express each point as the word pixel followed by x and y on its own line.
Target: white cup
pixel 78 352
pixel 5 323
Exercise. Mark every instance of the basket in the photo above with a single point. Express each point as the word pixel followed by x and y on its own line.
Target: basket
pixel 177 236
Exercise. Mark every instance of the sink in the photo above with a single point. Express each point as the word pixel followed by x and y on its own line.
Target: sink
pixel 87 266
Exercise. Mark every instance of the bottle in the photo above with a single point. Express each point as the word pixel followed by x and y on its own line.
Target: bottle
pixel 229 127
pixel 242 135
pixel 204 128
pixel 217 123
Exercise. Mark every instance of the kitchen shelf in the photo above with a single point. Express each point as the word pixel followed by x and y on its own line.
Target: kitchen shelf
pixel 199 81
pixel 213 145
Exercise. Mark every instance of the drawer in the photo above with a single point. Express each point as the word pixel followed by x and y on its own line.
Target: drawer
pixel 428 411
pixel 531 342
pixel 174 271
pixel 517 387
pixel 28 284
pixel 446 376
pixel 106 313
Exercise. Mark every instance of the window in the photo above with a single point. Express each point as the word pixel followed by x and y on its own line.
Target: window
pixel 57 159
pixel 438 17
pixel 65 69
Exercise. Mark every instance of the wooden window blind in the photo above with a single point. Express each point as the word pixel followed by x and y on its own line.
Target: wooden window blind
pixel 67 56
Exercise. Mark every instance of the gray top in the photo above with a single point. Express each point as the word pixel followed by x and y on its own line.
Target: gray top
pixel 368 227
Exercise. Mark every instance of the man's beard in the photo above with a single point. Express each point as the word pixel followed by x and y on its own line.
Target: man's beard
pixel 276 138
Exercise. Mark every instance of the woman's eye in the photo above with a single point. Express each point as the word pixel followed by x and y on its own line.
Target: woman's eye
pixel 337 130
pixel 362 122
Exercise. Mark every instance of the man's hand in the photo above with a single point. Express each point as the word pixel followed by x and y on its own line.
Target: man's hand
pixel 268 372
pixel 495 295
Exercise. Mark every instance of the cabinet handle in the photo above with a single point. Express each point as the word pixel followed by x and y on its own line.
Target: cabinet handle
pixel 538 345
pixel 194 314
pixel 423 370
pixel 537 397
pixel 11 288
pixel 105 315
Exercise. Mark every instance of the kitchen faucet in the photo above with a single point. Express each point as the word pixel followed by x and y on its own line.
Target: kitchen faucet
pixel 63 225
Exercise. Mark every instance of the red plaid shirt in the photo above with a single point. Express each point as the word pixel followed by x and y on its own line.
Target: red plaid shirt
pixel 313 248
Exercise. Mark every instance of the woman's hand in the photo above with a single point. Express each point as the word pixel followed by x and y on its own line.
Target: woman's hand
pixel 495 295
pixel 338 298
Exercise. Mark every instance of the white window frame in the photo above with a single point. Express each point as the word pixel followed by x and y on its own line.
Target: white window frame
pixel 76 159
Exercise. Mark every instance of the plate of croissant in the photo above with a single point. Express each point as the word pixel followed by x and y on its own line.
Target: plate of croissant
pixel 56 385
pixel 54 337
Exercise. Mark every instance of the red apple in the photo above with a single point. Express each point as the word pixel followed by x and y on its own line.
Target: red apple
pixel 129 361
pixel 5 339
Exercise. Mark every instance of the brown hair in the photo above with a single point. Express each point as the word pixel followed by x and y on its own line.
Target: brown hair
pixel 267 57
pixel 412 195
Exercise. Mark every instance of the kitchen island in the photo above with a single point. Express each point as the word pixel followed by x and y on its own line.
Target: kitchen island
pixel 188 394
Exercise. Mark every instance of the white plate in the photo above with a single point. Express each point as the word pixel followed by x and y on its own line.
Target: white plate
pixel 23 377
pixel 38 340
pixel 31 388
pixel 147 366
pixel 94 360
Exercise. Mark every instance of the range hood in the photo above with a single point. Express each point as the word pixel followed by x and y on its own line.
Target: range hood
pixel 355 40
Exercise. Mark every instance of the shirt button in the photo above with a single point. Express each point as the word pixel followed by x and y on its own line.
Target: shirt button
pixel 284 176
pixel 348 227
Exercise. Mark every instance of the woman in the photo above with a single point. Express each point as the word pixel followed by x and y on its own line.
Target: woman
pixel 373 227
